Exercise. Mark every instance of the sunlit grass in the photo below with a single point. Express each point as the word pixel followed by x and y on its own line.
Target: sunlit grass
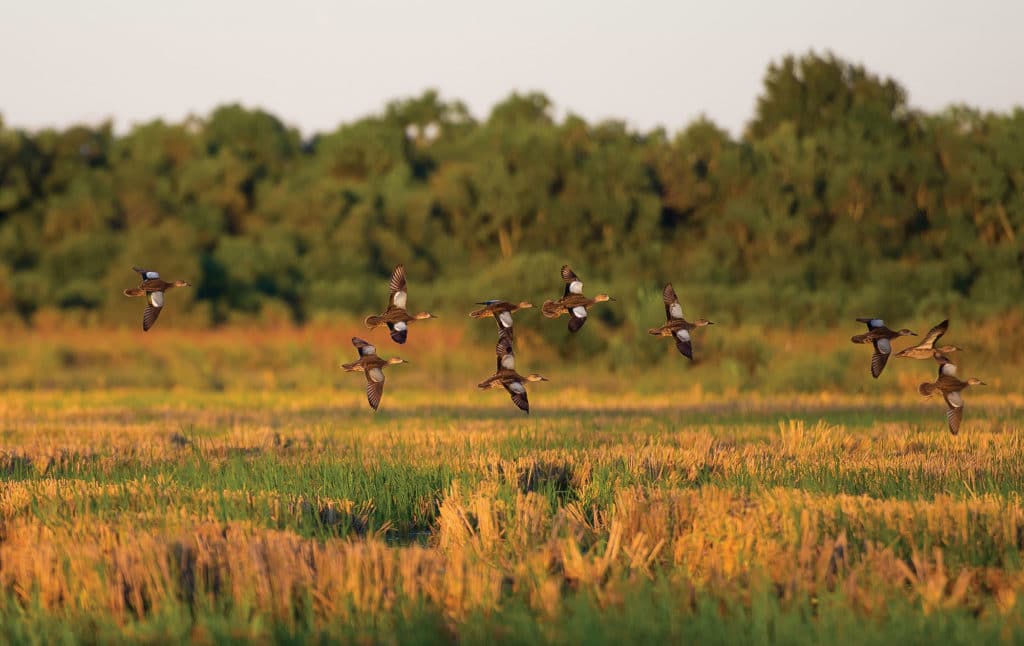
pixel 665 512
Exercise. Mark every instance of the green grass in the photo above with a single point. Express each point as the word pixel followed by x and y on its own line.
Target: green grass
pixel 329 473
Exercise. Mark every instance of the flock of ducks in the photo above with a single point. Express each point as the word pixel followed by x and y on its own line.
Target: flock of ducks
pixel 397 319
pixel 947 383
pixel 577 305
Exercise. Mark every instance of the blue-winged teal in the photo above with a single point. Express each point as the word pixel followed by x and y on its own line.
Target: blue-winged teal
pixel 501 311
pixel 373 366
pixel 573 302
pixel 923 350
pixel 505 375
pixel 395 316
pixel 951 388
pixel 153 288
pixel 676 326
pixel 881 338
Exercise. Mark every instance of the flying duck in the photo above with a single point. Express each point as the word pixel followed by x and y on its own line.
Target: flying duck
pixel 395 316
pixel 951 388
pixel 925 348
pixel 881 338
pixel 573 302
pixel 675 325
pixel 153 288
pixel 501 311
pixel 373 366
pixel 505 375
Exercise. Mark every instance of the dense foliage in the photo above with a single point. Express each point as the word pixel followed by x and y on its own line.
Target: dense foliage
pixel 839 200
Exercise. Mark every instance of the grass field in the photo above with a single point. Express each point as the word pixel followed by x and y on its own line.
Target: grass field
pixel 216 487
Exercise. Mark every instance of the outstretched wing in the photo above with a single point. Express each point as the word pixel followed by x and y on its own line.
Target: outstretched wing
pixel 946 367
pixel 154 305
pixel 683 343
pixel 954 416
pixel 399 331
pixel 577 317
pixel 954 410
pixel 505 331
pixel 504 318
pixel 147 274
pixel 573 284
pixel 934 334
pixel 881 355
pixel 399 294
pixel 374 386
pixel 517 391
pixel 672 308
pixel 363 347
pixel 872 323
pixel 506 358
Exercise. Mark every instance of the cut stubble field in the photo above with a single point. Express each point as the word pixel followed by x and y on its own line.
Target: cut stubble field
pixel 606 516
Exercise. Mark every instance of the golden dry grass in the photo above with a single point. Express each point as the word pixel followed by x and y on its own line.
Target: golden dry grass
pixel 127 507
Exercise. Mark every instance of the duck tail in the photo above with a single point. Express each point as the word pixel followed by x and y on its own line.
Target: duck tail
pixel 550 309
pixel 349 367
pixel 927 389
pixel 859 338
pixel 134 291
pixel 373 321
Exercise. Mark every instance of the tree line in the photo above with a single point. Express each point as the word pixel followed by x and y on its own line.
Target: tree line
pixel 839 199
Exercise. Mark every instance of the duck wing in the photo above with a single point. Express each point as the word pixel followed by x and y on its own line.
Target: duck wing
pixel 872 323
pixel 147 274
pixel 883 348
pixel 577 317
pixel 673 310
pixel 683 343
pixel 154 305
pixel 506 358
pixel 363 347
pixel 399 331
pixel 397 288
pixel 573 284
pixel 504 318
pixel 374 386
pixel 517 391
pixel 934 335
pixel 954 410
pixel 946 367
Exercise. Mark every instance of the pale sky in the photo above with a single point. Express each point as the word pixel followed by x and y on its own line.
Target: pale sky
pixel 315 64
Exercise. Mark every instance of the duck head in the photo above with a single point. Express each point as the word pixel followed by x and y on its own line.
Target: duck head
pixel 181 283
pixel 523 305
pixel 974 381
pixel 906 332
pixel 951 348
pixel 600 298
pixel 535 377
pixel 424 315
pixel 703 322
pixel 396 360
